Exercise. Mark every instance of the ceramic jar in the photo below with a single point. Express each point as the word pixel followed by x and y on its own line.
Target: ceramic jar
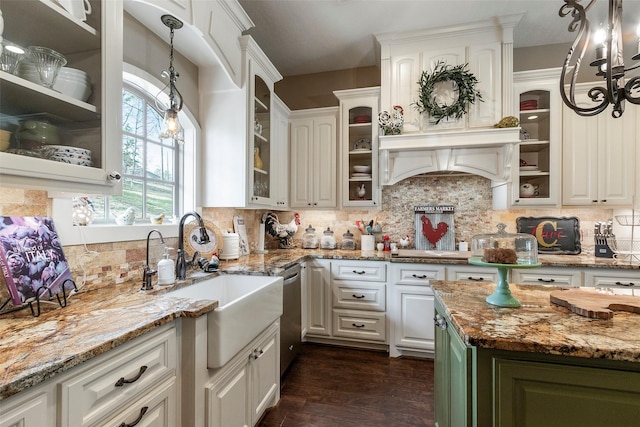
pixel 348 242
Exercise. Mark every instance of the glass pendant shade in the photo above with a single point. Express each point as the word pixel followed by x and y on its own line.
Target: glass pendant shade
pixel 171 127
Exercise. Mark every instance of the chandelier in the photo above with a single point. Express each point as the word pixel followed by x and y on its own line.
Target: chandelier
pixel 171 128
pixel 609 61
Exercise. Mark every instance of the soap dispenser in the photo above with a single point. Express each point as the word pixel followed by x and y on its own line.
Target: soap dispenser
pixel 166 269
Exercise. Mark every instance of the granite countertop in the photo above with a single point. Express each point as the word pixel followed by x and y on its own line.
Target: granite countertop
pixel 97 320
pixel 538 325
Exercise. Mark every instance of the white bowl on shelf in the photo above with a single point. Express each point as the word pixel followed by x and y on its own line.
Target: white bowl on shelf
pixel 362 169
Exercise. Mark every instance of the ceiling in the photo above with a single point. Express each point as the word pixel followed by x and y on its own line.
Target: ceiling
pixel 310 36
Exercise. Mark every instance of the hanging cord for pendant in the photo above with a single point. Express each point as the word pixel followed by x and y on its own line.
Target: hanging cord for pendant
pixel 175 97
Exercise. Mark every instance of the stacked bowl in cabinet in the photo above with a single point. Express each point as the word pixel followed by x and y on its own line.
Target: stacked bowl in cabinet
pixel 70 81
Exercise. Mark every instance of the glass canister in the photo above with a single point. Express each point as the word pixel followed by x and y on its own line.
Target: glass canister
pixel 310 238
pixel 505 248
pixel 348 242
pixel 328 240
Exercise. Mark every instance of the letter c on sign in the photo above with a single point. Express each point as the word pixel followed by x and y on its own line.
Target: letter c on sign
pixel 540 236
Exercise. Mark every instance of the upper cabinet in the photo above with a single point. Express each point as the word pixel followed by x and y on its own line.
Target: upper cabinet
pixel 245 143
pixel 314 154
pixel 80 134
pixel 599 166
pixel 536 167
pixel 358 131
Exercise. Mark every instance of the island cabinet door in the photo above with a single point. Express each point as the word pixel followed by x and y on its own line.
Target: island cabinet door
pixel 453 373
pixel 553 394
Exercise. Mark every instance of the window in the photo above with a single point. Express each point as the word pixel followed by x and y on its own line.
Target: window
pixel 163 177
pixel 150 166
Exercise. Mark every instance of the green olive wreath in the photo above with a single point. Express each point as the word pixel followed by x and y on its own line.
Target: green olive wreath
pixel 465 84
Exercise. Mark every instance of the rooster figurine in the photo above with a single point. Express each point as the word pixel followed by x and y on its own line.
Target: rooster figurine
pixel 283 232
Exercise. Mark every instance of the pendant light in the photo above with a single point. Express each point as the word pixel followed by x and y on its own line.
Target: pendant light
pixel 171 128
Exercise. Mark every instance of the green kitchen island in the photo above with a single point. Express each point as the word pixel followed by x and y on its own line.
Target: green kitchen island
pixel 536 365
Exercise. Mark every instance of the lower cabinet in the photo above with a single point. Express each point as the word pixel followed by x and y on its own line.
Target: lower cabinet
pixel 613 278
pixel 240 392
pixel 554 276
pixel 347 302
pixel 486 387
pixel 453 370
pixel 134 384
pixel 31 408
pixel 412 308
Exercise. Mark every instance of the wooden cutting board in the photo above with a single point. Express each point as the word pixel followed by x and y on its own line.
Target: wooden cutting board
pixel 595 305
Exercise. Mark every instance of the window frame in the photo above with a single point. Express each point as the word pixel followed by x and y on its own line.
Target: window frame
pixel 188 189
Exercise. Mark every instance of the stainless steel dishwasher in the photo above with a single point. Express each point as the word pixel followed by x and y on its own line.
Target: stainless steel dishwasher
pixel 291 320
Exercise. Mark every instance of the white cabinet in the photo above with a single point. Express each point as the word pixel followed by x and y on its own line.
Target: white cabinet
pixel 472 273
pixel 318 301
pixel 538 102
pixel 32 408
pixel 598 157
pixel 358 130
pixel 347 302
pixel 280 158
pixel 243 138
pixel 243 389
pixel 137 380
pixel 313 149
pixel 94 46
pixel 553 276
pixel 613 278
pixel 411 310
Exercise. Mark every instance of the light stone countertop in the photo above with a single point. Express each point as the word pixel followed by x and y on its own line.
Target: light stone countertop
pixel 538 325
pixel 98 320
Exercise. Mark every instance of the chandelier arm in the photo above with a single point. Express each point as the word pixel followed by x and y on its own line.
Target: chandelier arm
pixel 632 85
pixel 580 24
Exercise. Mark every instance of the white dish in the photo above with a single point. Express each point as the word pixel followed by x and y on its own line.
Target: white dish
pixel 362 169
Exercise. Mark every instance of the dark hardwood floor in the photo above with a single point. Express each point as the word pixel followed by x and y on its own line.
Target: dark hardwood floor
pixel 343 387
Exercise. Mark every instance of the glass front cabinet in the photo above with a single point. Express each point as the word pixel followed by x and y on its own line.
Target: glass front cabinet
pixel 359 147
pixel 537 163
pixel 62 137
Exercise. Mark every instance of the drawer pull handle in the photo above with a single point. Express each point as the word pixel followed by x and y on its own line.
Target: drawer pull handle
pixel 357 296
pixel 359 272
pixel 257 353
pixel 546 280
pixel 355 325
pixel 422 276
pixel 475 279
pixel 135 423
pixel 122 381
pixel 625 284
pixel 440 322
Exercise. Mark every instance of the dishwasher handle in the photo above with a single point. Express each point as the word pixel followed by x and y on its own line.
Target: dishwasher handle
pixel 291 279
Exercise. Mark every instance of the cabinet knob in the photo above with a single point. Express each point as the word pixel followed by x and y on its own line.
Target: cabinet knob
pixel 359 272
pixel 475 279
pixel 122 381
pixel 257 353
pixel 422 276
pixel 355 325
pixel 114 176
pixel 545 280
pixel 604 201
pixel 357 296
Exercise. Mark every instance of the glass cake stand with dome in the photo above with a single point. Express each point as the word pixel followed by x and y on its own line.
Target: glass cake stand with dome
pixel 504 251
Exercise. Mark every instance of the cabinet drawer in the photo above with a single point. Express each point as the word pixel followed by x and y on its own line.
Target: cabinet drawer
pixel 102 388
pixel 547 276
pixel 416 274
pixel 613 279
pixel 156 409
pixel 359 296
pixel 365 325
pixel 371 271
pixel 466 273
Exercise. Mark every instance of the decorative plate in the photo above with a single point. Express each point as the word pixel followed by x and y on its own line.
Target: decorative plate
pixel 192 235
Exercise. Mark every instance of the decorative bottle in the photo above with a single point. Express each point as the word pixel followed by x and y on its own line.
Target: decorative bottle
pixel 166 269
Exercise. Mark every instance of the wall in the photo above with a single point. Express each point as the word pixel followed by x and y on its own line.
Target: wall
pixel 316 90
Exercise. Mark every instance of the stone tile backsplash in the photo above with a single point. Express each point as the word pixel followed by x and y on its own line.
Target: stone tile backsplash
pixel 471 195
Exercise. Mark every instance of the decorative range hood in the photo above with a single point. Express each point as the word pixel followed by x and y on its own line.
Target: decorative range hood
pixel 470 144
